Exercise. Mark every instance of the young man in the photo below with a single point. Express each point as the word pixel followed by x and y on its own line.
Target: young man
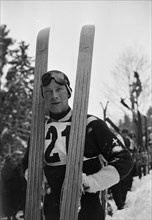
pixel 99 140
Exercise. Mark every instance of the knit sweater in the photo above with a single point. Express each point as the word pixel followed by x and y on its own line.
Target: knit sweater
pixel 99 141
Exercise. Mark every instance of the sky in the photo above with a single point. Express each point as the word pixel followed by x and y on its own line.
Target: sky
pixel 118 26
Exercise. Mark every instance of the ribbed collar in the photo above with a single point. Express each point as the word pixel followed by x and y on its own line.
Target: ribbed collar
pixel 64 116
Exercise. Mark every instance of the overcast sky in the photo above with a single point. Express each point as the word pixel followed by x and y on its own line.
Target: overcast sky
pixel 118 25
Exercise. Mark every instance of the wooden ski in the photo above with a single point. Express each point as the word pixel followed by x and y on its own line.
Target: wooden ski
pixel 35 165
pixel 73 177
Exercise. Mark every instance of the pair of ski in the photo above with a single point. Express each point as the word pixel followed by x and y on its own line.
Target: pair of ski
pixel 72 183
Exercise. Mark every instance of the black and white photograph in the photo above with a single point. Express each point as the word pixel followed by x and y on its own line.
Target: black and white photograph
pixel 75 110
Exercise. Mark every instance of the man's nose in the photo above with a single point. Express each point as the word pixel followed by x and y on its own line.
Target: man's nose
pixel 54 94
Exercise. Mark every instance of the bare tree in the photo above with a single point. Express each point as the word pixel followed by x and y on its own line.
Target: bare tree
pixel 131 66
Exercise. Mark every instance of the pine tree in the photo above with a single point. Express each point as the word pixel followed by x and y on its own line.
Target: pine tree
pixel 149 118
pixel 16 100
pixel 5 42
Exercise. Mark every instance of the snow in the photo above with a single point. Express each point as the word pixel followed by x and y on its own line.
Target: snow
pixel 138 202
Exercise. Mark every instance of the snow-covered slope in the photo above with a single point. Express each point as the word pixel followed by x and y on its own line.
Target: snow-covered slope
pixel 138 202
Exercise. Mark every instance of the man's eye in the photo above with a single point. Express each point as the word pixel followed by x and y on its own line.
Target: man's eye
pixel 48 92
pixel 59 89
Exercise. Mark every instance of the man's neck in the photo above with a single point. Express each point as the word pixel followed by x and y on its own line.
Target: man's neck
pixel 59 116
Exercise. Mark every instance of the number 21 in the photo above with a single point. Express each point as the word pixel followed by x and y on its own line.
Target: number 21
pixel 52 130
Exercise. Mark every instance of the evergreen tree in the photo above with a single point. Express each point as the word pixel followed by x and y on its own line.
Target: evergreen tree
pixel 16 100
pixel 149 117
pixel 5 42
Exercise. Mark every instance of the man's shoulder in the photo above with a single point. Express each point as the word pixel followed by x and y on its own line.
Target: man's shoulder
pixel 92 119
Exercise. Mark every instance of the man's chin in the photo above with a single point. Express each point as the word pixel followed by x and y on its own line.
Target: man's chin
pixel 55 111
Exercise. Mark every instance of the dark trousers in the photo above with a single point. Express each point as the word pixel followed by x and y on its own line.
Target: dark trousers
pixel 119 190
pixel 91 208
pixel 117 195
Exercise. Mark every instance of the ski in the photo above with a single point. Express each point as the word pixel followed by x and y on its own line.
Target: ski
pixel 73 177
pixel 35 165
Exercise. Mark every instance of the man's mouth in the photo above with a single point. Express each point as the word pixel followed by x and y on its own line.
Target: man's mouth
pixel 55 103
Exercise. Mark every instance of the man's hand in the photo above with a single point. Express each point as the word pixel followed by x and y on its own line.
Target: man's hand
pixel 85 183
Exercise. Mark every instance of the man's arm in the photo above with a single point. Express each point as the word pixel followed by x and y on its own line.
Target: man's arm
pixel 118 157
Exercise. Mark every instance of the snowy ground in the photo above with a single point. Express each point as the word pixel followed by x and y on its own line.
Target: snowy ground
pixel 138 203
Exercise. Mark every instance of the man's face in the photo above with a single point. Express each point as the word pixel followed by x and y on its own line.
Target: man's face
pixel 55 97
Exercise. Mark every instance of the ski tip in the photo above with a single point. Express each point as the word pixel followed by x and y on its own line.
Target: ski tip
pixel 87 37
pixel 88 30
pixel 42 39
pixel 89 27
pixel 44 32
pixel 45 29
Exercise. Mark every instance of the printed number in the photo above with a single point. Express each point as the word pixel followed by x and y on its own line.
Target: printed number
pixel 52 130
pixel 66 133
pixel 55 158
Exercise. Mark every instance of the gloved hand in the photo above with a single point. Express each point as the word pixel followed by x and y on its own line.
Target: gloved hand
pixel 85 182
pixel 88 183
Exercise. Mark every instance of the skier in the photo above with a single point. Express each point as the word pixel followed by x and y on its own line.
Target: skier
pixel 56 92
pixel 126 183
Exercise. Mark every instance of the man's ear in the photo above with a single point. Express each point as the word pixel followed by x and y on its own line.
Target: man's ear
pixel 69 95
pixel 42 92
